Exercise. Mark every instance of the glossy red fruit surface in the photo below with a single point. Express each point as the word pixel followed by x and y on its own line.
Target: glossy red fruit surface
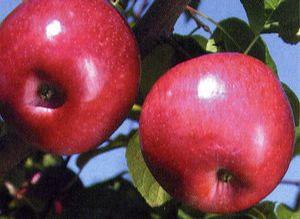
pixel 69 72
pixel 217 132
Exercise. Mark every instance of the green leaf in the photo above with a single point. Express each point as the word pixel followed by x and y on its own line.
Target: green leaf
pixel 235 35
pixel 153 66
pixel 264 210
pixel 142 178
pixel 50 160
pixel 272 4
pixel 119 141
pixel 297 141
pixel 114 198
pixel 296 215
pixel 284 212
pixel 41 161
pixel 274 16
pixel 287 14
pixel 255 10
pixel 294 102
pixel 187 47
pixel 211 46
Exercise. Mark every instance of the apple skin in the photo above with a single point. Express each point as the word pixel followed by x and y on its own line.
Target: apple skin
pixel 85 53
pixel 213 118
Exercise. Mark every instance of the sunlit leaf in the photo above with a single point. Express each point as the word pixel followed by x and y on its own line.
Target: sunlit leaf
pixel 284 212
pixel 142 178
pixel 50 160
pixel 211 46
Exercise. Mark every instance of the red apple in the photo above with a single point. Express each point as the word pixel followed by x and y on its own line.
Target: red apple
pixel 69 72
pixel 217 132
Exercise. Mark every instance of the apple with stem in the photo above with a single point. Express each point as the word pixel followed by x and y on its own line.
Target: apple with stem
pixel 69 73
pixel 217 132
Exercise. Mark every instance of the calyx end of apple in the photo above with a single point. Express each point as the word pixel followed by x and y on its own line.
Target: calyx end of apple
pixel 224 175
pixel 50 95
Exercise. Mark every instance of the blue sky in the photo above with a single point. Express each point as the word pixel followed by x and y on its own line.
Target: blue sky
pixel 286 57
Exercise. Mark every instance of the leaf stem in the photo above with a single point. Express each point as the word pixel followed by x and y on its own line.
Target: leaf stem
pixel 251 44
pixel 290 182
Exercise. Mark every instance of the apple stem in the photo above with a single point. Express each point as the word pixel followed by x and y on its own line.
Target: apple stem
pixel 224 175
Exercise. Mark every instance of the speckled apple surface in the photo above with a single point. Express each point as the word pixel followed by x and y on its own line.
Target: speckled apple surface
pixel 86 53
pixel 217 132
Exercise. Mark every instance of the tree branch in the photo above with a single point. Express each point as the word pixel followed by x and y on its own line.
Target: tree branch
pixel 157 24
pixel 291 182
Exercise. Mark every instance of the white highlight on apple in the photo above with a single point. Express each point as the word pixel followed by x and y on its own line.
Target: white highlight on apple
pixel 259 139
pixel 92 84
pixel 259 136
pixel 210 87
pixel 53 29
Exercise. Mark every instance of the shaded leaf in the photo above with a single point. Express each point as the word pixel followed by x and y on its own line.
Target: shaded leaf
pixel 282 17
pixel 287 14
pixel 153 66
pixel 264 210
pixel 50 184
pixel 114 198
pixel 236 36
pixel 142 178
pixel 255 10
pixel 188 47
pixel 294 102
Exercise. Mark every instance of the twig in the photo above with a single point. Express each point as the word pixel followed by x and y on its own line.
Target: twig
pixel 194 11
pixel 141 9
pixel 199 24
pixel 291 182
